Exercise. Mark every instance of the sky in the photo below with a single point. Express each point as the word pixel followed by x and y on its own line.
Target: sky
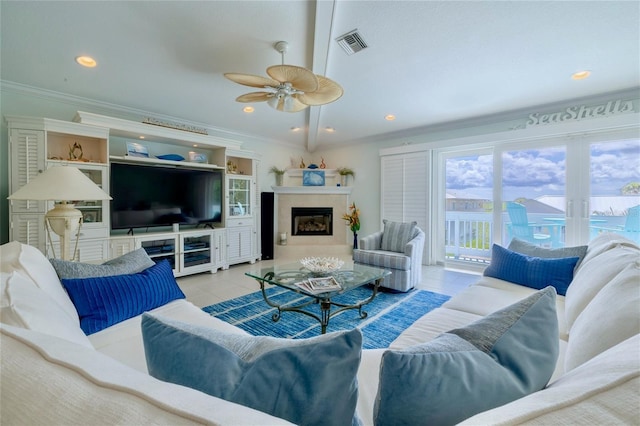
pixel 536 172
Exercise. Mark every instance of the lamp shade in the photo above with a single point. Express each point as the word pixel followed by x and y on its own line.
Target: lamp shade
pixel 60 183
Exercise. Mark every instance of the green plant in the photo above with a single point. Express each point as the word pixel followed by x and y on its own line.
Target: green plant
pixel 277 171
pixel 345 171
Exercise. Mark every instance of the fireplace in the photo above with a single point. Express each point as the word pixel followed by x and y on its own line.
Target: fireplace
pixel 311 221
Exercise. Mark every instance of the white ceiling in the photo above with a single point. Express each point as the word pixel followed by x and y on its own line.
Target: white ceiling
pixel 428 62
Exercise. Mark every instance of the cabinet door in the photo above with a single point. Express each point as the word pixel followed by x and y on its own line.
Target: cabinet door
pixel 120 246
pixel 197 252
pixel 27 161
pixel 28 229
pixel 239 201
pixel 159 248
pixel 93 250
pixel 239 241
pixel 220 248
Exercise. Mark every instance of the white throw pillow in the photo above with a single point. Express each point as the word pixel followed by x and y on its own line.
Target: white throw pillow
pixel 611 317
pixel 593 275
pixel 33 264
pixel 603 242
pixel 24 305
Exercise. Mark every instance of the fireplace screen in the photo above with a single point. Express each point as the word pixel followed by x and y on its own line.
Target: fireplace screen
pixel 311 221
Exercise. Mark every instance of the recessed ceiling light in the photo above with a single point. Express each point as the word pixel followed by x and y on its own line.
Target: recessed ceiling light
pixel 295 129
pixel 195 145
pixel 329 129
pixel 248 109
pixel 389 117
pixel 580 75
pixel 86 61
pixel 140 137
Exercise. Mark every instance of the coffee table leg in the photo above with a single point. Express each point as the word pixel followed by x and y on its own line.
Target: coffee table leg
pixel 325 309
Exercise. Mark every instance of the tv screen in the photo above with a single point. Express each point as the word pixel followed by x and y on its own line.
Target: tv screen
pixel 151 195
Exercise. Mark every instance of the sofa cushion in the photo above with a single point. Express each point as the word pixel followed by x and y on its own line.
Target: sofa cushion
pixel 525 247
pixel 534 272
pixel 606 241
pixel 603 391
pixel 611 317
pixel 306 381
pixel 130 263
pixel 104 301
pixel 33 264
pixel 50 381
pixel 24 305
pixel 593 275
pixel 488 363
pixel 396 235
pixel 383 259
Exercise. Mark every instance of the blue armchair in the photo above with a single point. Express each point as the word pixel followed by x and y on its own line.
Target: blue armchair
pixel 397 248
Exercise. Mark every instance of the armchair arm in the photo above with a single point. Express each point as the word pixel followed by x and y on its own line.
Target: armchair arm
pixel 371 242
pixel 414 248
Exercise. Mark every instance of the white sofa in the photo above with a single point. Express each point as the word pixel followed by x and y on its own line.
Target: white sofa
pixel 53 374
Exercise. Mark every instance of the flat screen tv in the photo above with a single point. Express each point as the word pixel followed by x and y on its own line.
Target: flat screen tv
pixel 152 195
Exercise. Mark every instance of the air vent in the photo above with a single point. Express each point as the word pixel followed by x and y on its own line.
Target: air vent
pixel 352 42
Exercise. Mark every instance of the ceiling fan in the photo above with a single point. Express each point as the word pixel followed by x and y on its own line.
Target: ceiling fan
pixel 290 88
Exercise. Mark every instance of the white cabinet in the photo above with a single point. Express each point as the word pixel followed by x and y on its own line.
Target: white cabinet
pixel 39 143
pixel 243 209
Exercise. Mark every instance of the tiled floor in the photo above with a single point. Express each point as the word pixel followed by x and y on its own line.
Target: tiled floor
pixel 206 289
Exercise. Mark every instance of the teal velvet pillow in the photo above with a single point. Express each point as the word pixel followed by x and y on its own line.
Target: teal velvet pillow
pixel 396 235
pixel 104 301
pixel 524 247
pixel 495 360
pixel 534 272
pixel 129 263
pixel 305 381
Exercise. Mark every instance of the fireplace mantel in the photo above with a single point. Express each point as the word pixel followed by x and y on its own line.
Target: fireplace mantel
pixel 344 190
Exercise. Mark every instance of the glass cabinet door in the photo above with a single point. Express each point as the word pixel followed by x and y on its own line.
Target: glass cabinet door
pixel 239 196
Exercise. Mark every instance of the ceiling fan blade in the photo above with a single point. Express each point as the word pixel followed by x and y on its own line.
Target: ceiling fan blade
pixel 251 80
pixel 328 91
pixel 289 104
pixel 254 97
pixel 300 78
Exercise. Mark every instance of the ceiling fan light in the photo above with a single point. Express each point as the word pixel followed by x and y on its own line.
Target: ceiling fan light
pixel 273 101
pixel 289 104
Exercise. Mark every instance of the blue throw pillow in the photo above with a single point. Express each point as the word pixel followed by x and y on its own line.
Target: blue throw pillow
pixel 305 381
pixel 104 301
pixel 497 359
pixel 534 272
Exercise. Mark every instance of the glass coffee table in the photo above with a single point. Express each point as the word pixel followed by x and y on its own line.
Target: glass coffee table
pixel 348 278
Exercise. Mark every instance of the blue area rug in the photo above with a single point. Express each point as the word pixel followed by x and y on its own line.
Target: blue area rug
pixel 388 315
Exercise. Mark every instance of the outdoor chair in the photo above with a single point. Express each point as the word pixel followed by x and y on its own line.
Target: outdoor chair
pixel 398 248
pixel 521 228
pixel 631 228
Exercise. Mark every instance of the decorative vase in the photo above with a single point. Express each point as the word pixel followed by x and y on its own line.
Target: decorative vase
pixel 344 180
pixel 355 241
pixel 279 180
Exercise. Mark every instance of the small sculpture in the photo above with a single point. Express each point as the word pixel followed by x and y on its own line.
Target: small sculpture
pixel 322 165
pixel 75 152
pixel 302 165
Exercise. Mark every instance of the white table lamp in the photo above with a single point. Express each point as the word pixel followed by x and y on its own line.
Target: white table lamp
pixel 64 185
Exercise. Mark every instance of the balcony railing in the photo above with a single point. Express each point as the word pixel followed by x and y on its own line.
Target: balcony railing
pixel 469 235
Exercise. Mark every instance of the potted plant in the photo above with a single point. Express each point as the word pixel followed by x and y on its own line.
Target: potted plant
pixel 344 173
pixel 279 173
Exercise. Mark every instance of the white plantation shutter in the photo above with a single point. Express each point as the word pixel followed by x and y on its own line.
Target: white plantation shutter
pixel 405 193
pixel 27 161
